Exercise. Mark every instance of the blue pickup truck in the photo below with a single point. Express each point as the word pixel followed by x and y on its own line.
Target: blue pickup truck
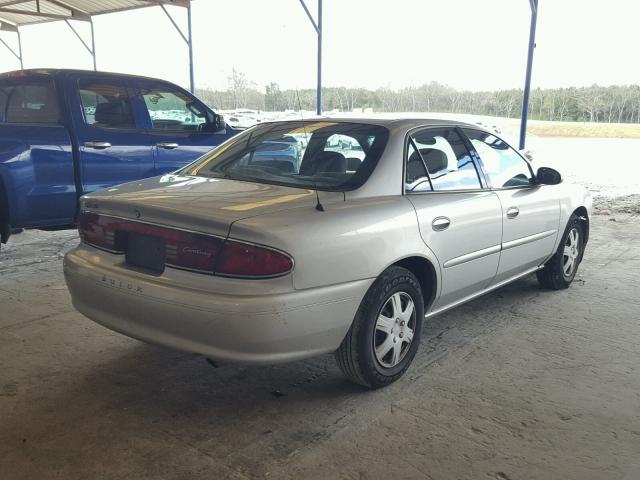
pixel 64 133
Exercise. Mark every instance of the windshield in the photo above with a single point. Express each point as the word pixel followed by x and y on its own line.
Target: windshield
pixel 323 155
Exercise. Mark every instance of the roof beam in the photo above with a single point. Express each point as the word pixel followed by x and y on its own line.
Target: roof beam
pixel 177 3
pixel 313 22
pixel 13 2
pixel 77 13
pixel 48 16
pixel 8 27
pixel 184 37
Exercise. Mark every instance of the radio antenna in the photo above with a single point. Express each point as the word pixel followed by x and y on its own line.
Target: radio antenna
pixel 319 206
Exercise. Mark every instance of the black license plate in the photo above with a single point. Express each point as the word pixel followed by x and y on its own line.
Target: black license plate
pixel 146 252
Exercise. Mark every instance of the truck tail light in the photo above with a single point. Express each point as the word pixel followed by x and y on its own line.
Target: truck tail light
pixel 187 250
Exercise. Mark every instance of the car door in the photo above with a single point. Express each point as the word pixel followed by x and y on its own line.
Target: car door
pixel 114 147
pixel 181 127
pixel 531 213
pixel 36 160
pixel 459 219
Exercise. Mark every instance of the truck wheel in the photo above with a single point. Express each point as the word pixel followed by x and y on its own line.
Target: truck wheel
pixel 5 232
pixel 5 228
pixel 559 272
pixel 385 334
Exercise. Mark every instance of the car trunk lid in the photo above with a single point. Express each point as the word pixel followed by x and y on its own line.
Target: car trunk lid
pixel 207 205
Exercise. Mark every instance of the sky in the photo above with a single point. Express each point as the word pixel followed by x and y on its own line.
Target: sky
pixel 468 44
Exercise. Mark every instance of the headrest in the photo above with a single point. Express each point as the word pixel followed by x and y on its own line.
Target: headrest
pixel 353 163
pixel 324 162
pixel 114 114
pixel 284 166
pixel 435 159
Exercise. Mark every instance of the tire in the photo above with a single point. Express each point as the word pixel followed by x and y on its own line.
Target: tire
pixel 5 228
pixel 555 274
pixel 374 326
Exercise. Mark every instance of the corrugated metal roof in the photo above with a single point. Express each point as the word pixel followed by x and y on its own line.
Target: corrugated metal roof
pixel 14 13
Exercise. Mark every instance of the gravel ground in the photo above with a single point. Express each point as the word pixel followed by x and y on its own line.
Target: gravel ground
pixel 611 206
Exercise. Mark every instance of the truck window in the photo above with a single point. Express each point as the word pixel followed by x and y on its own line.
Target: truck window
pixel 173 110
pixel 106 104
pixel 32 101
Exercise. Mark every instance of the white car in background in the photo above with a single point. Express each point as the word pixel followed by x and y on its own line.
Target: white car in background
pixel 249 261
pixel 242 118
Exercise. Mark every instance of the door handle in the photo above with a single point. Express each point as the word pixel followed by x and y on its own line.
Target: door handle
pixel 513 212
pixel 440 224
pixel 167 145
pixel 97 145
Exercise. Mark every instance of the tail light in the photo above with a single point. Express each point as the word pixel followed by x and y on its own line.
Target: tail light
pixel 187 250
pixel 239 259
pixel 100 231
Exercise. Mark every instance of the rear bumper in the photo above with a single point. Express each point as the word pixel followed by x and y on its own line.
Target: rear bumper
pixel 256 328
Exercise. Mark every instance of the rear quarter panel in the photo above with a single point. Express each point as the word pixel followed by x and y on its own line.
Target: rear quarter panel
pixel 349 241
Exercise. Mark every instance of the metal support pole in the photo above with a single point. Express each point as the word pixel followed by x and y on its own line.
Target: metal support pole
pixel 190 43
pixel 527 83
pixel 18 54
pixel 318 28
pixel 93 46
pixel 319 87
pixel 20 49
pixel 188 40
pixel 92 49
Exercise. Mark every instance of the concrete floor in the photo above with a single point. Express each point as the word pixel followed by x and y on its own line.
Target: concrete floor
pixel 520 384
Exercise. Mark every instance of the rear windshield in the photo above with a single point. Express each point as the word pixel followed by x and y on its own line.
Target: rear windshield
pixel 323 155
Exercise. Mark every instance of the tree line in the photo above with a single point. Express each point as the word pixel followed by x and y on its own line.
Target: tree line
pixel 613 104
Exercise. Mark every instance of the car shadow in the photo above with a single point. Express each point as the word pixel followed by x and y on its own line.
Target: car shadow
pixel 144 388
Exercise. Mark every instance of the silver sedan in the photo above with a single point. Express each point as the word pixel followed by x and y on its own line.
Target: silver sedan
pixel 256 254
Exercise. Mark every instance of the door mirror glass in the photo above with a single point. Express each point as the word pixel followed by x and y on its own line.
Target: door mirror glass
pixel 219 123
pixel 215 123
pixel 548 176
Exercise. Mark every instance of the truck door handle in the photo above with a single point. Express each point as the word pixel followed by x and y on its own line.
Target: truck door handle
pixel 513 212
pixel 97 145
pixel 440 224
pixel 167 145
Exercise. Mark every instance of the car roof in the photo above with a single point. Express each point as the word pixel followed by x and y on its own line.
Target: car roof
pixel 57 71
pixel 387 120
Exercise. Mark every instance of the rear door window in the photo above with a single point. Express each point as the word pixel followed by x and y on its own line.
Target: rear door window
pixel 443 155
pixel 30 101
pixel 106 104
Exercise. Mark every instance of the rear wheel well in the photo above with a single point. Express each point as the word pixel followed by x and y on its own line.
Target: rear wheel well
pixel 583 215
pixel 425 272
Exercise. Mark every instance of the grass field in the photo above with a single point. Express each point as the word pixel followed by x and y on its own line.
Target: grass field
pixel 579 129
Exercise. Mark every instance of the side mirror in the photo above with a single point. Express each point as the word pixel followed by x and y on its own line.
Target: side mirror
pixel 219 123
pixel 548 176
pixel 215 123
